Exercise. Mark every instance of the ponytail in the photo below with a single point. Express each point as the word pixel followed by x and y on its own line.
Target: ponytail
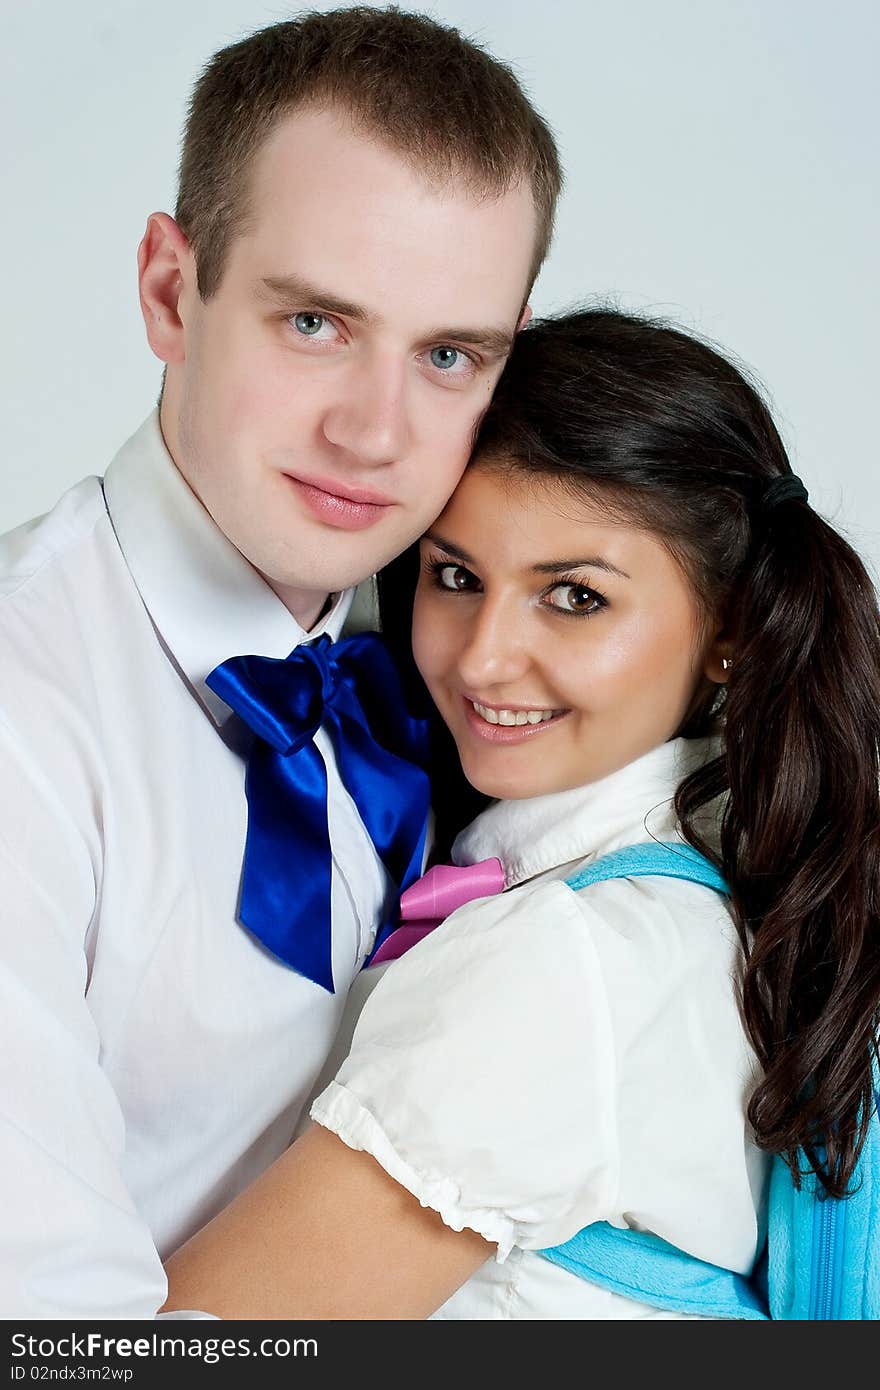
pixel 800 835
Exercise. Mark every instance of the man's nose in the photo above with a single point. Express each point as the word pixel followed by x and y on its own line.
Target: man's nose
pixel 495 652
pixel 369 420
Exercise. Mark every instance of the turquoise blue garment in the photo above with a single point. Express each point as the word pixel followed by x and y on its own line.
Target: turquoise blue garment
pixel 648 1269
pixel 822 1257
pixel 658 859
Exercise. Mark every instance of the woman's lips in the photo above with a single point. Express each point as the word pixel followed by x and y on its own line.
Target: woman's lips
pixel 345 513
pixel 506 733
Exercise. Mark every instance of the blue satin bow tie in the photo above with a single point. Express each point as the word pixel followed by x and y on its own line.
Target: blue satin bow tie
pixel 353 688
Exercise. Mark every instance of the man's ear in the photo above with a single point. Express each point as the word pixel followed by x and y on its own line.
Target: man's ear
pixel 166 266
pixel 524 318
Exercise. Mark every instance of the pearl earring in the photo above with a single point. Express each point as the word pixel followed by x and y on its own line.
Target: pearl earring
pixel 726 664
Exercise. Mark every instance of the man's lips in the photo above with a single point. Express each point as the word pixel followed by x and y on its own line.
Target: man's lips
pixel 340 505
pixel 345 491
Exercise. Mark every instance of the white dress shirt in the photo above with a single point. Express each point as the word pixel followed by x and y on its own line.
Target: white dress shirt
pixel 155 1057
pixel 548 1058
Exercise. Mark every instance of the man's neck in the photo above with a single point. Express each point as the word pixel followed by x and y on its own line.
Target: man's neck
pixel 307 607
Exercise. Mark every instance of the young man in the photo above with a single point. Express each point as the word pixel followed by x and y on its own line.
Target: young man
pixel 351 255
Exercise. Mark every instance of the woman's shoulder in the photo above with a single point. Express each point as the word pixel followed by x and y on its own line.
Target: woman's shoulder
pixel 649 912
pixel 544 944
pixel 643 916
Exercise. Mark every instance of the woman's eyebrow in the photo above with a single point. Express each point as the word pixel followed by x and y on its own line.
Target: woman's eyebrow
pixel 594 562
pixel 546 566
pixel 449 546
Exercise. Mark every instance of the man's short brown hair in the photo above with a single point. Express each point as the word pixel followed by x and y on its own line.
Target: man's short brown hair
pixel 420 87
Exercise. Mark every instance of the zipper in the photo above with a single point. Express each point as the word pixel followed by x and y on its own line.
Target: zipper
pixel 828 1230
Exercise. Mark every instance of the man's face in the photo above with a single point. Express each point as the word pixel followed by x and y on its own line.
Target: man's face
pixel 323 407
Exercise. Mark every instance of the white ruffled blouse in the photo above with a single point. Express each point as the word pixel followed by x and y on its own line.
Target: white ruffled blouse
pixel 549 1058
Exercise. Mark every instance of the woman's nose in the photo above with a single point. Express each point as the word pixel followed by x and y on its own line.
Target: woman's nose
pixel 495 650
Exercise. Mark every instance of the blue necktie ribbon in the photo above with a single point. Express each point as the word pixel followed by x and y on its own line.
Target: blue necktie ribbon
pixel 352 687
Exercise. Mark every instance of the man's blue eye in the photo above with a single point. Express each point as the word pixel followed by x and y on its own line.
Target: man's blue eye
pixel 309 323
pixel 444 357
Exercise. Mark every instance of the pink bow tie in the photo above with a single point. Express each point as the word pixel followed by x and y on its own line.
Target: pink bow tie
pixel 433 896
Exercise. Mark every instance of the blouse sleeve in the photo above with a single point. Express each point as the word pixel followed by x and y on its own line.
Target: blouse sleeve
pixel 459 1080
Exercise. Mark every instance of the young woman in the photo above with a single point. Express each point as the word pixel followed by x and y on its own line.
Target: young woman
pixel 634 628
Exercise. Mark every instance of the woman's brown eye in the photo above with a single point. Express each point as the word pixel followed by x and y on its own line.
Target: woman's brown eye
pixel 455 577
pixel 574 598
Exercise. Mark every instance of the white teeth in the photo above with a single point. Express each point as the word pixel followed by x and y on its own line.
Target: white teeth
pixel 511 717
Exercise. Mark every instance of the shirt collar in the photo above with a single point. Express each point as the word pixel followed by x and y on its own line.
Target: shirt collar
pixel 631 805
pixel 206 601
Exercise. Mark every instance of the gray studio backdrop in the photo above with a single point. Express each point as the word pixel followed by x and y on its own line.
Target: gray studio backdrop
pixel 721 165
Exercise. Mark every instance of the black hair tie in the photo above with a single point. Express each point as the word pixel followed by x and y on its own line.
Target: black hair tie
pixel 788 488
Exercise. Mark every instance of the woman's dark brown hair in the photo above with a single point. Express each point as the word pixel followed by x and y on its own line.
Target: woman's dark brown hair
pixel 661 429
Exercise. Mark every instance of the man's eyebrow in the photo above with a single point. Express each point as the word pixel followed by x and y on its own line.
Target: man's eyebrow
pixel 496 341
pixel 589 562
pixel 297 293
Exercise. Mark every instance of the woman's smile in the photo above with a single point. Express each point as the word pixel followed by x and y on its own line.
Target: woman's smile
pixel 501 724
